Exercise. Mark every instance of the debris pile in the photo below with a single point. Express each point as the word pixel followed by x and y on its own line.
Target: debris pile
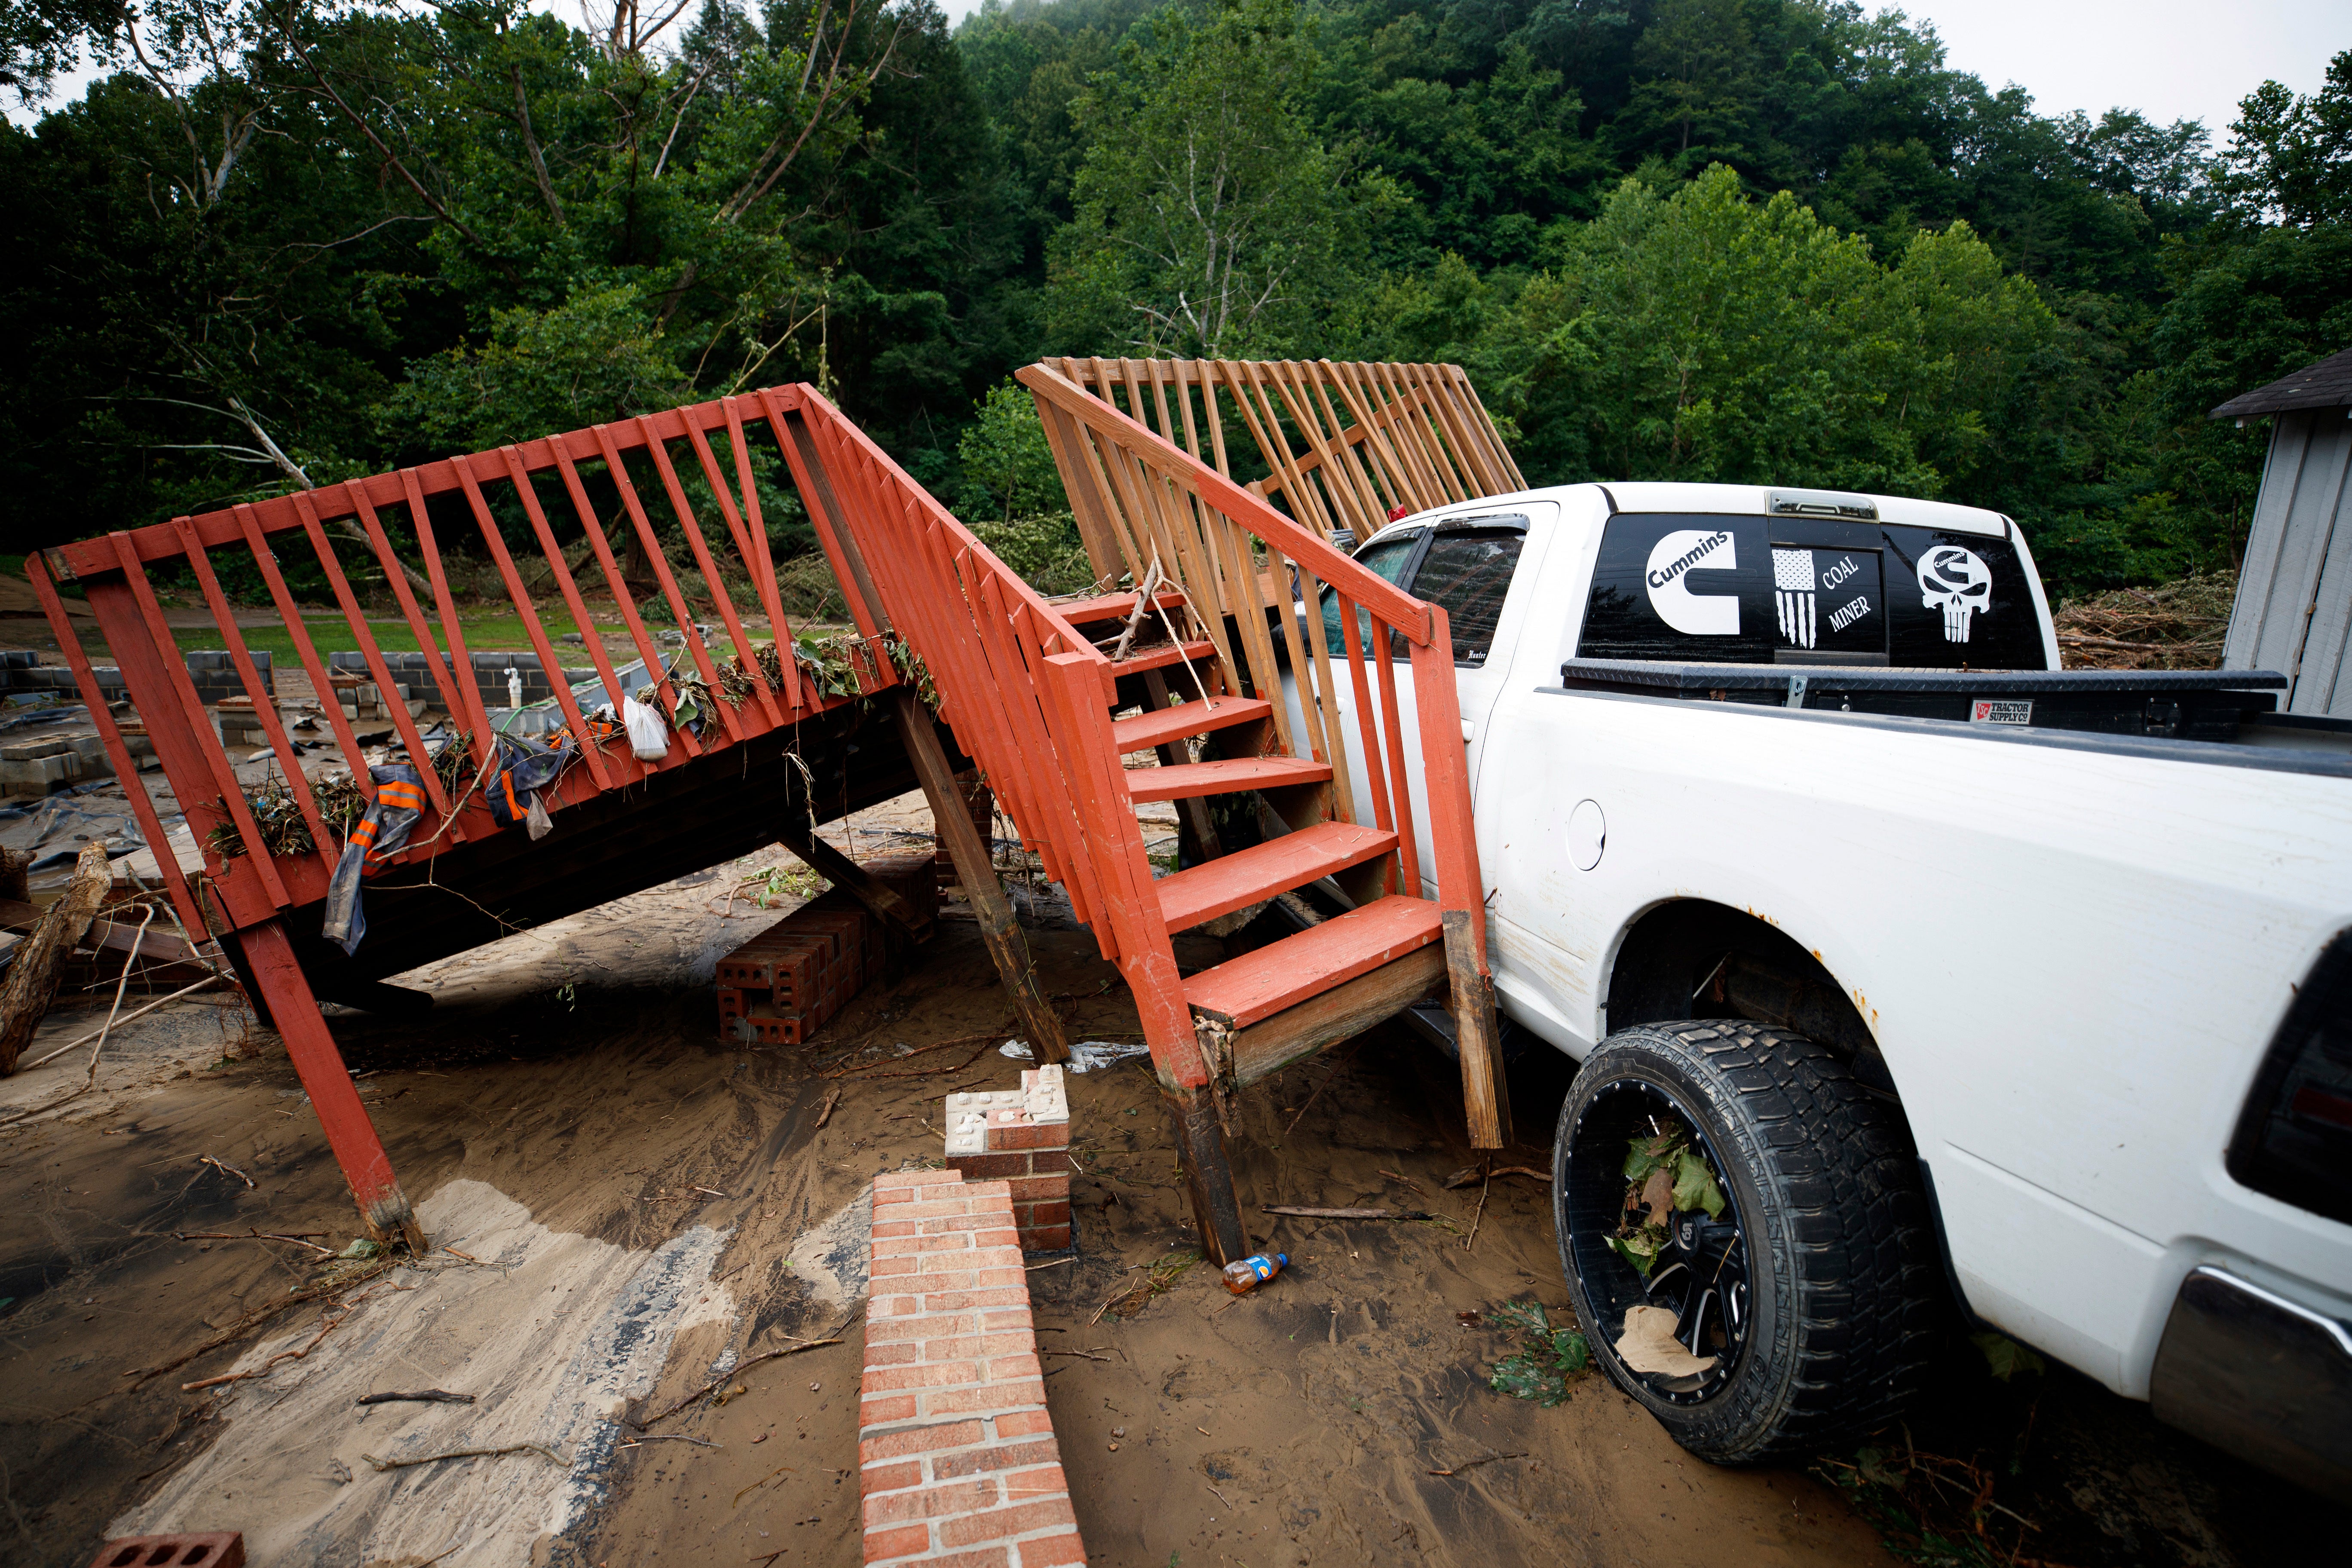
pixel 2176 625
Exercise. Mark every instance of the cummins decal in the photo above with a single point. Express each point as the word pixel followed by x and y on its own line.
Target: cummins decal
pixel 1956 582
pixel 1672 561
pixel 1792 593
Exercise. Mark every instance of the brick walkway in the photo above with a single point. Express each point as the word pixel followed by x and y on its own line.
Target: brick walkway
pixel 957 1463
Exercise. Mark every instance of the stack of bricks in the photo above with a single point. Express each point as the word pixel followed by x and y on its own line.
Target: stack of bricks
pixel 1022 1139
pixel 782 986
pixel 957 1459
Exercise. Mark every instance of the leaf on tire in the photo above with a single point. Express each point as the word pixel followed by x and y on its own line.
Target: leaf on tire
pixel 1648 1345
pixel 1640 1248
pixel 1695 1186
pixel 1659 1197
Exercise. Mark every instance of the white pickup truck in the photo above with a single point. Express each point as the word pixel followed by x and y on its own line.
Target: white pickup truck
pixel 1963 976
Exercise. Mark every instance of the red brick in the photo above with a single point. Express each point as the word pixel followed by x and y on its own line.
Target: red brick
pixel 970 1347
pixel 927 1209
pixel 1046 1480
pixel 903 1541
pixel 894 1306
pixel 1004 1319
pixel 888 1354
pixel 890 1477
pixel 980 1557
pixel 931 1503
pixel 1003 1368
pixel 995 1396
pixel 982 1191
pixel 897 1227
pixel 998 1278
pixel 922 1440
pixel 968 1222
pixel 1022 1423
pixel 964 1301
pixel 1034 1189
pixel 982 1167
pixel 877 1412
pixel 1046 1238
pixel 885 1267
pixel 1002 1457
pixel 1005 1236
pixel 1027 1136
pixel 892 1196
pixel 1053 1551
pixel 924 1326
pixel 935 1374
pixel 998 1523
pixel 1050 1212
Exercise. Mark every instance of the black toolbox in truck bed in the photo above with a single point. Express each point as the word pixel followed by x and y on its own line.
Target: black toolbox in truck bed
pixel 2179 704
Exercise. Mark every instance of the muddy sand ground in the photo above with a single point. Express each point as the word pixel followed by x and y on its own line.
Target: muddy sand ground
pixel 629 1211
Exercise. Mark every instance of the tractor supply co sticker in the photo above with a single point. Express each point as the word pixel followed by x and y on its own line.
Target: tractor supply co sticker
pixel 1984 711
pixel 1672 561
pixel 1956 582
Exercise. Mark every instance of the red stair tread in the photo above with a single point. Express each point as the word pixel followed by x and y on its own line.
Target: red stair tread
pixel 1222 776
pixel 1244 878
pixel 1258 985
pixel 1109 606
pixel 1160 726
pixel 1159 656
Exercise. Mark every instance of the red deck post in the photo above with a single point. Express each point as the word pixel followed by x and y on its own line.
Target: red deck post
pixel 269 959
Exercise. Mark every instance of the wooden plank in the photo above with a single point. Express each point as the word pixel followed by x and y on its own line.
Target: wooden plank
pixel 857 881
pixel 1222 776
pixel 1245 877
pixel 1486 1092
pixel 1337 1014
pixel 1158 726
pixel 999 928
pixel 1249 989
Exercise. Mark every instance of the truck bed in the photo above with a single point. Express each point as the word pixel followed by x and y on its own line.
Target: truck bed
pixel 2213 705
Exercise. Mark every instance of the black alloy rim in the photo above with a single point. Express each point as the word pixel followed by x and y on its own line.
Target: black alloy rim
pixel 1701 1275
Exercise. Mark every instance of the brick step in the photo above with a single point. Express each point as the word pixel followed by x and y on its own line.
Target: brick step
pixel 1163 726
pixel 1243 991
pixel 957 1458
pixel 1248 876
pixel 1222 776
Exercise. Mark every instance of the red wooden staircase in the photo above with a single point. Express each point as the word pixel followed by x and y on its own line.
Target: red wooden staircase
pixel 1217 679
pixel 1030 688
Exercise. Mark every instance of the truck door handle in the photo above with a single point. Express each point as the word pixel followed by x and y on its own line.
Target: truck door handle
pixel 1469 730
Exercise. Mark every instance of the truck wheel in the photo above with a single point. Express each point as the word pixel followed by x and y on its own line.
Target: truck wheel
pixel 1814 1291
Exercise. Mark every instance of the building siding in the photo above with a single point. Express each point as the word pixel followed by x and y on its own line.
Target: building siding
pixel 2294 608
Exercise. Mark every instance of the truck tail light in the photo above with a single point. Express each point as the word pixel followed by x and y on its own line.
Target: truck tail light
pixel 2294 1139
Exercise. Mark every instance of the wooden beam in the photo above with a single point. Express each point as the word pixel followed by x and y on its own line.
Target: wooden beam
pixel 1343 1011
pixel 857 881
pixel 999 928
pixel 1486 1092
pixel 33 977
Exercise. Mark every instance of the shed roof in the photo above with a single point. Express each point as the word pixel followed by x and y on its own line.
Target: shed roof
pixel 2327 384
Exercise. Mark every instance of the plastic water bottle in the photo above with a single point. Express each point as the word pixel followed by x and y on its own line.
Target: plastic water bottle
pixel 1246 1274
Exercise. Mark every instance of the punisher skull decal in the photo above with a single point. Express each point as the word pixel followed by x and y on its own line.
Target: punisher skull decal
pixel 1956 582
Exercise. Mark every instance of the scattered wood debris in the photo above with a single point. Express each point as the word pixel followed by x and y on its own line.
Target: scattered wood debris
pixel 422 1396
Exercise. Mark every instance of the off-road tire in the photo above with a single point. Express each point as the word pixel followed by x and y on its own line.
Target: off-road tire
pixel 1844 1292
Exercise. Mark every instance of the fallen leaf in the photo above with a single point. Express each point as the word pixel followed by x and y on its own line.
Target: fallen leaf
pixel 1658 1195
pixel 1648 1345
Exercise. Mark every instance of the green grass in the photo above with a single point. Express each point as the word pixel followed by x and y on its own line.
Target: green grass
pixel 332 634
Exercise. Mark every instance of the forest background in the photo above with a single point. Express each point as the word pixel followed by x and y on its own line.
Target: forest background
pixel 294 241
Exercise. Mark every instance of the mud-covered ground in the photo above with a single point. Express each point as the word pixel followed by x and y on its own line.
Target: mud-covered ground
pixel 637 1211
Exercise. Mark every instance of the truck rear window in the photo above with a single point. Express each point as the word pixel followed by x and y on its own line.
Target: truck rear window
pixel 1754 590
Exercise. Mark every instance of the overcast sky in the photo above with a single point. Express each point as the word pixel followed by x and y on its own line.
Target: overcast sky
pixel 2170 60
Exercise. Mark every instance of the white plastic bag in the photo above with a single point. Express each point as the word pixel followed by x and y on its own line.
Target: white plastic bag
pixel 648 736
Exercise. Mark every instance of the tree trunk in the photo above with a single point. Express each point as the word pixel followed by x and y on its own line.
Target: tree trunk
pixel 33 978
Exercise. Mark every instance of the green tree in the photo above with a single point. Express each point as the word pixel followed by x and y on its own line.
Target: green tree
pixel 1211 219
